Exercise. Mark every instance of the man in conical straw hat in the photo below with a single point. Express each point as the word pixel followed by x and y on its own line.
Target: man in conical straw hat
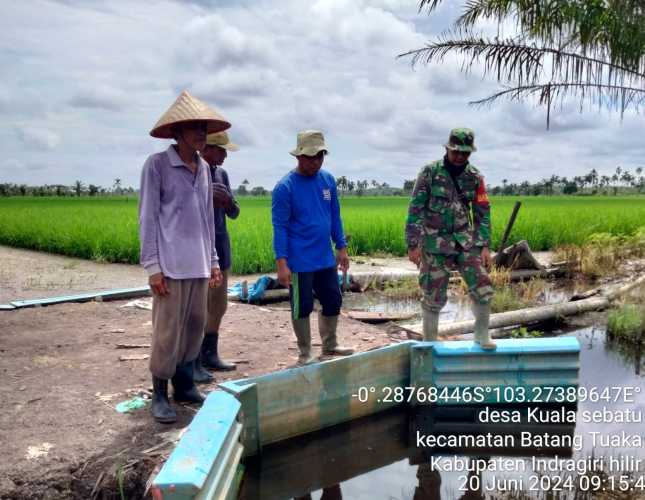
pixel 176 229
pixel 215 153
pixel 306 218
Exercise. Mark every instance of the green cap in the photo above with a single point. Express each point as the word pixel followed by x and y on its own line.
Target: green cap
pixel 461 139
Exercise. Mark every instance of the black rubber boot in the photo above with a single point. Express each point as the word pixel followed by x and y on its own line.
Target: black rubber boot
pixel 185 390
pixel 210 358
pixel 161 409
pixel 200 374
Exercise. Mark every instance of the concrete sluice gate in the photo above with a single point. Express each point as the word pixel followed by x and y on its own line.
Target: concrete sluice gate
pixel 453 394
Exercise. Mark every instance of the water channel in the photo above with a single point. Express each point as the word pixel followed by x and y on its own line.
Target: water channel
pixel 378 457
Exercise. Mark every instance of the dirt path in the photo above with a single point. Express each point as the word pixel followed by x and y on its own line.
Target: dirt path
pixel 26 274
pixel 61 436
pixel 62 378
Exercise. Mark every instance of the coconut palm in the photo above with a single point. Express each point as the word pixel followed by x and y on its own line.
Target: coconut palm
pixel 591 49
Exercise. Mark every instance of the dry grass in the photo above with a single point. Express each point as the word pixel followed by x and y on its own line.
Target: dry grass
pixel 602 253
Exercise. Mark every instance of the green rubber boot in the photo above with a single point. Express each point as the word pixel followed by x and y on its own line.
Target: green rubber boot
pixel 302 329
pixel 327 326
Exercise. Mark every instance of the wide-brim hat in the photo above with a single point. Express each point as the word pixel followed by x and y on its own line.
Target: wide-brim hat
pixel 188 109
pixel 221 139
pixel 310 143
pixel 461 139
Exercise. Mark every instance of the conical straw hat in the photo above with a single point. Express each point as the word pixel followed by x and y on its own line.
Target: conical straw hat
pixel 188 108
pixel 221 139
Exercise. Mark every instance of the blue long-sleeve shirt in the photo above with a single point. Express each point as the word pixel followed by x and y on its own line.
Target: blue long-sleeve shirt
pixel 306 218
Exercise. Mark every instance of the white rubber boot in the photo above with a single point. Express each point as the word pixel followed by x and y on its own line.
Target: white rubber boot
pixel 430 324
pixel 482 333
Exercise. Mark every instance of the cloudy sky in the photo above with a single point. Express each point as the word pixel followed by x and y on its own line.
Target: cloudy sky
pixel 83 81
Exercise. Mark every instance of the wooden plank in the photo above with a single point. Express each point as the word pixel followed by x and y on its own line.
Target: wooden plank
pixel 131 346
pixel 123 293
pixel 204 454
pixel 377 317
pixel 300 400
pixel 6 307
pixel 513 373
pixel 246 393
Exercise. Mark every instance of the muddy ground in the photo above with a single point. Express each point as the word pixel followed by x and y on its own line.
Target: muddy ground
pixel 62 377
pixel 61 435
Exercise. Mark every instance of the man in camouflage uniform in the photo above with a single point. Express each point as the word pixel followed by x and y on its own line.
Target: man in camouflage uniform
pixel 448 227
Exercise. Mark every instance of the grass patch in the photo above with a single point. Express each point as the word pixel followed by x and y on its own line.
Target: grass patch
pixel 106 228
pixel 511 297
pixel 506 299
pixel 602 253
pixel 524 333
pixel 627 323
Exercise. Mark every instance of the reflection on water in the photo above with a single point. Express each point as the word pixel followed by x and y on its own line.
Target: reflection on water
pixel 378 457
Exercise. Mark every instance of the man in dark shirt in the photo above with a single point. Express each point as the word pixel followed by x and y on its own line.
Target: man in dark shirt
pixel 225 205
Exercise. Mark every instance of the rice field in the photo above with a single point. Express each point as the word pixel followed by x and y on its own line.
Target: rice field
pixel 105 229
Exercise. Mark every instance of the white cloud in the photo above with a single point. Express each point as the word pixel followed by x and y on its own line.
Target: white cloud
pixel 99 97
pixel 35 137
pixel 90 79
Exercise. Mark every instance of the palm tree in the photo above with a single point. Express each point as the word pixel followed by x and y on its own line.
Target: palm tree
pixel 591 49
pixel 117 186
pixel 78 188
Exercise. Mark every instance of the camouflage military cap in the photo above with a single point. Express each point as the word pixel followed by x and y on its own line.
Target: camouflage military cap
pixel 461 139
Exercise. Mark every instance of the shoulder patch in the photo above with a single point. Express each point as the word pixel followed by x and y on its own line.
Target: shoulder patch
pixel 481 196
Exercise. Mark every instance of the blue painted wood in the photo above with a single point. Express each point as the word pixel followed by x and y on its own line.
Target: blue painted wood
pixel 505 346
pixel 247 394
pixel 300 400
pixel 518 371
pixel 204 450
pixel 124 293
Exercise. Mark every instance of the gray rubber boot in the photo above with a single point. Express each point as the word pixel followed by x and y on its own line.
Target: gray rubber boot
pixel 327 326
pixel 302 329
pixel 430 324
pixel 482 333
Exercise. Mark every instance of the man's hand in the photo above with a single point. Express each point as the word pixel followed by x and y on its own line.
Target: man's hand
pixel 342 259
pixel 221 196
pixel 284 273
pixel 158 285
pixel 486 258
pixel 216 278
pixel 414 254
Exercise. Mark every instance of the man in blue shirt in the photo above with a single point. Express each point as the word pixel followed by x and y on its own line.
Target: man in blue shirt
pixel 306 218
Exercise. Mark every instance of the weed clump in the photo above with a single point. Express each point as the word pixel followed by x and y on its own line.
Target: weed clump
pixel 627 323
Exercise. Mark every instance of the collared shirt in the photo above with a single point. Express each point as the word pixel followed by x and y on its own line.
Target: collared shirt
pixel 176 223
pixel 222 240
pixel 306 218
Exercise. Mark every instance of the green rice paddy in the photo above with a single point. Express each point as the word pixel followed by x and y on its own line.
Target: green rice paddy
pixel 106 229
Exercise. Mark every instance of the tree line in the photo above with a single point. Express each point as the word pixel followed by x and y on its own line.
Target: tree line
pixel 77 189
pixel 622 181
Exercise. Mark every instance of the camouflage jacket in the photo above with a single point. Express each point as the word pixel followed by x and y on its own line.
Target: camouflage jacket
pixel 437 217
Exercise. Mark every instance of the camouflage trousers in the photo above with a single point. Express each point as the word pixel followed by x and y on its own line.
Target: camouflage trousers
pixel 435 274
